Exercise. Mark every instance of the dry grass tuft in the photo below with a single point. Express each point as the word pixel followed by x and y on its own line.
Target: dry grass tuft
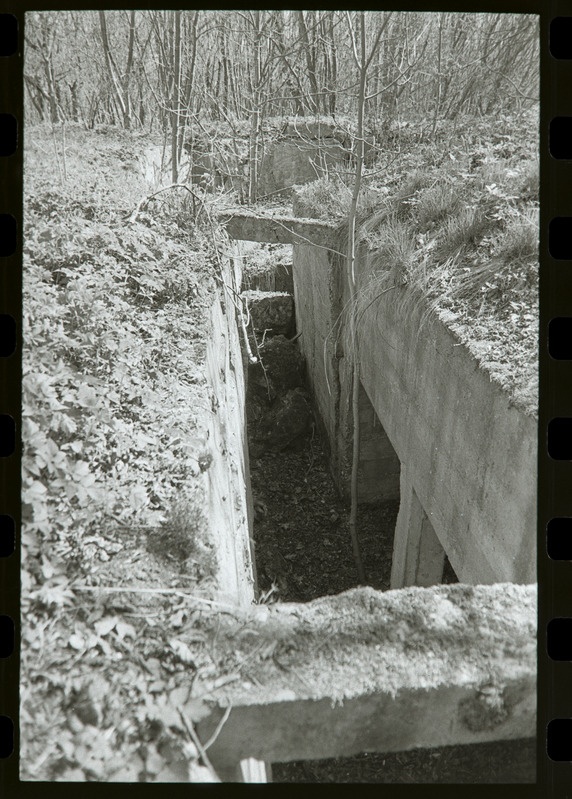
pixel 519 243
pixel 435 204
pixel 529 184
pixel 324 199
pixel 403 201
pixel 460 233
pixel 184 537
pixel 396 249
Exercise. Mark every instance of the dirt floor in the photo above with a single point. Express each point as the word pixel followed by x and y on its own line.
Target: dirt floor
pixel 492 763
pixel 303 552
pixel 301 528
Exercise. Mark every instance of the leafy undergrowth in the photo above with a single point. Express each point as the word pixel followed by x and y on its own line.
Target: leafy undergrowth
pixel 114 461
pixel 457 218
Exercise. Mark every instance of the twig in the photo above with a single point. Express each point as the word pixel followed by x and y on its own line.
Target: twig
pixel 146 199
pixel 219 727
pixel 220 684
pixel 238 302
pixel 258 357
pixel 196 740
pixel 312 456
pixel 305 239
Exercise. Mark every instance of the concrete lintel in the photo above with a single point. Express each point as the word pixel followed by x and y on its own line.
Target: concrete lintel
pixel 277 229
pixel 373 671
pixel 315 730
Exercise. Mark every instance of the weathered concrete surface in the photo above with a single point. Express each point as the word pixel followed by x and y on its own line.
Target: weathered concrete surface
pixel 270 311
pixel 373 671
pixel 298 159
pixel 228 475
pixel 418 556
pixel 307 149
pixel 275 228
pixel 229 494
pixel 470 454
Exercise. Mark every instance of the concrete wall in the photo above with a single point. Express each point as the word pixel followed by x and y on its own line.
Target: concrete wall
pixel 230 501
pixel 470 455
pixel 292 161
pixel 379 467
pixel 229 493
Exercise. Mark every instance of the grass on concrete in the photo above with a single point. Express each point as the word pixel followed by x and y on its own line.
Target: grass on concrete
pixel 457 219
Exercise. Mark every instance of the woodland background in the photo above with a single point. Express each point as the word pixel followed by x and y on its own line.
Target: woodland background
pixel 178 70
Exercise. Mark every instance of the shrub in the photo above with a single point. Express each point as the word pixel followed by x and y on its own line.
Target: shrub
pixel 184 537
pixel 519 242
pixel 529 183
pixel 403 201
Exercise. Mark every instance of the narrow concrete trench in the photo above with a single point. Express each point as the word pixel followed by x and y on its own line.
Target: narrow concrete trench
pixel 303 551
pixel 301 534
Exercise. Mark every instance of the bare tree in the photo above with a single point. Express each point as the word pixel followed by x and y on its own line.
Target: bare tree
pixel 363 61
pixel 119 80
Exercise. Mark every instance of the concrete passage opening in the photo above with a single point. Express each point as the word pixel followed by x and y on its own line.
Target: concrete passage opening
pixel 419 558
pixel 379 467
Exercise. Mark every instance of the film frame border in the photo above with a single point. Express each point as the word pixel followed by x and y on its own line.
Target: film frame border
pixel 554 778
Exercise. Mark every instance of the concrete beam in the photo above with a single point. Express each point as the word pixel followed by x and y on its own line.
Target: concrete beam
pixel 418 556
pixel 373 671
pixel 276 228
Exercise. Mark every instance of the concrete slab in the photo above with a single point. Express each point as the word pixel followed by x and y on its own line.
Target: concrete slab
pixel 276 228
pixel 228 477
pixel 373 671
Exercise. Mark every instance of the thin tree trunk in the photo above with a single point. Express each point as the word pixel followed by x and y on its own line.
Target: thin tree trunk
pixel 255 113
pixel 51 83
pixel 113 72
pixel 176 101
pixel 438 86
pixel 310 62
pixel 333 66
pixel 189 82
pixel 128 68
pixel 353 289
